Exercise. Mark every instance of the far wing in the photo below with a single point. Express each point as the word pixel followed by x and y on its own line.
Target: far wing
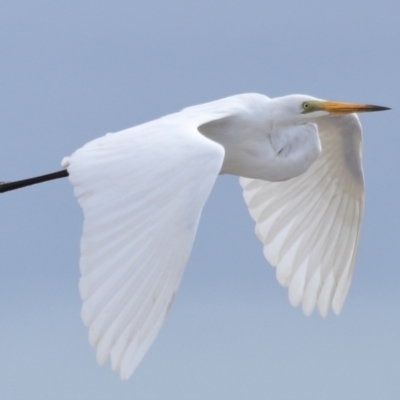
pixel 310 225
pixel 142 192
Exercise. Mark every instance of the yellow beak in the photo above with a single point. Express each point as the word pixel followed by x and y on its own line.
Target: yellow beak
pixel 335 107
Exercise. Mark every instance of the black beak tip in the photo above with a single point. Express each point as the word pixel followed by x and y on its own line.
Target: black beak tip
pixel 378 108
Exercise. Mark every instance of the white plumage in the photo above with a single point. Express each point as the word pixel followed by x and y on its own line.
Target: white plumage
pixel 310 224
pixel 141 212
pixel 142 191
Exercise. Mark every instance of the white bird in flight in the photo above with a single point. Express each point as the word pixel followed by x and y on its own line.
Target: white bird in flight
pixel 142 191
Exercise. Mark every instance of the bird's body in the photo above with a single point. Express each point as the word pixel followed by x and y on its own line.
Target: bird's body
pixel 142 191
pixel 256 139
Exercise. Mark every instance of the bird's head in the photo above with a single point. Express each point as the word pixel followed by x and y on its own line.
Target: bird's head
pixel 305 108
pixel 336 107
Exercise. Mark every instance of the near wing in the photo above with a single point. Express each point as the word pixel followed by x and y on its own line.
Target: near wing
pixel 142 192
pixel 310 225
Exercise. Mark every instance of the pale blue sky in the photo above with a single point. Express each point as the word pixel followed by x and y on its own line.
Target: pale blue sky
pixel 72 71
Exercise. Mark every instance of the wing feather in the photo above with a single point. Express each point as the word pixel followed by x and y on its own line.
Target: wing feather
pixel 142 191
pixel 310 225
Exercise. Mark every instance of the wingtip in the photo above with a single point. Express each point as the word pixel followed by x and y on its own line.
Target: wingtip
pixel 307 311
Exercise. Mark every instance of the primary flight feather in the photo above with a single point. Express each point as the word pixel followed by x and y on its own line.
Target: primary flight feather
pixel 142 191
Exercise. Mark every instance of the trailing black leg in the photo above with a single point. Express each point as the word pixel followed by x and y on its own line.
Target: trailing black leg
pixel 7 186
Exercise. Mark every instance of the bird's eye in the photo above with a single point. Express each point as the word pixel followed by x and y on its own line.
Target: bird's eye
pixel 306 106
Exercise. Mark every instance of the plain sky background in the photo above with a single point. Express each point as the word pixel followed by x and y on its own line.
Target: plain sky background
pixel 71 71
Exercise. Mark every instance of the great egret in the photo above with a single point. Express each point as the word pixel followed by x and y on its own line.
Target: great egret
pixel 142 191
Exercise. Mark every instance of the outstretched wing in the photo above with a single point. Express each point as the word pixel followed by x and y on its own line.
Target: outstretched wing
pixel 310 225
pixel 142 191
